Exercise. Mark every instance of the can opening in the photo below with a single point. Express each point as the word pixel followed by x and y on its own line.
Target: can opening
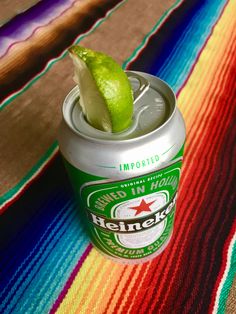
pixel 152 110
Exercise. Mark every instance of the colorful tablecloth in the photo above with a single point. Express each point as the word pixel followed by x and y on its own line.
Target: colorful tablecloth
pixel 47 263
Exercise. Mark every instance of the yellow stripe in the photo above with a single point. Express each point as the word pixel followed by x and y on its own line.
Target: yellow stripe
pixel 106 288
pixel 80 283
pixel 97 273
pixel 84 305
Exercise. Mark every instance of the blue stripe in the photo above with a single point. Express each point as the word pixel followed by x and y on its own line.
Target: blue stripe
pixel 63 246
pixel 189 42
pixel 38 228
pixel 35 258
pixel 66 252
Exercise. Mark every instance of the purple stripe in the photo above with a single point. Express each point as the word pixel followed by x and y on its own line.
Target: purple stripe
pixel 70 280
pixel 24 25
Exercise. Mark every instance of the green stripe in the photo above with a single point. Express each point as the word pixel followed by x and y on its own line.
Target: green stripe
pixel 29 175
pixel 228 282
pixel 48 154
pixel 153 30
pixel 50 63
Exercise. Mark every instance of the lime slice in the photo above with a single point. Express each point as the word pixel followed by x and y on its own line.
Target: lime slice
pixel 106 96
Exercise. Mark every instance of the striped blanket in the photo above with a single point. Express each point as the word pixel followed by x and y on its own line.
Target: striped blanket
pixel 47 263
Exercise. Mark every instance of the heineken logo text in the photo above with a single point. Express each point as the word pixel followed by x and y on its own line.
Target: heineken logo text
pixel 133 225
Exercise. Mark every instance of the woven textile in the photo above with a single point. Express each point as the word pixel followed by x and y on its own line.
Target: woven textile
pixel 47 262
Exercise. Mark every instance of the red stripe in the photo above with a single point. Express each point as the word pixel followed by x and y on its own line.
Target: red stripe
pixel 133 291
pixel 193 183
pixel 218 231
pixel 179 258
pixel 154 279
pixel 192 154
pixel 213 215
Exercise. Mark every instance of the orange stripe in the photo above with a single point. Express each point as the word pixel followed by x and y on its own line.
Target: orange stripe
pixel 93 283
pixel 85 304
pixel 120 289
pixel 103 290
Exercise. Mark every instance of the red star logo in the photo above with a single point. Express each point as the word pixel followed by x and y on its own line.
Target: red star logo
pixel 142 207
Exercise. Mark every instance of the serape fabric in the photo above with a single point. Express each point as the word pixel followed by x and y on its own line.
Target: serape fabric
pixel 47 262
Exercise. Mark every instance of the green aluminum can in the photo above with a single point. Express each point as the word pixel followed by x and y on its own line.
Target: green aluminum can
pixel 127 183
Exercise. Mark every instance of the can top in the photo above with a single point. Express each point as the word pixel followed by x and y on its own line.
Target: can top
pixel 151 111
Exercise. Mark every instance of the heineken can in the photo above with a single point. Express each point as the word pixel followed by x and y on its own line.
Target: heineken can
pixel 126 183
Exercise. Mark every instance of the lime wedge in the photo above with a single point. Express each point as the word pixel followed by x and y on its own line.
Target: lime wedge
pixel 106 96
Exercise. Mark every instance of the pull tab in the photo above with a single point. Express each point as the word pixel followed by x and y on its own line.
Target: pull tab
pixel 143 85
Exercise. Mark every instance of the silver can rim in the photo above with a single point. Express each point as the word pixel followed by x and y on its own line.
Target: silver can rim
pixel 74 94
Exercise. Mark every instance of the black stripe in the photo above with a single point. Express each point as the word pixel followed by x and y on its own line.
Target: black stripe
pixel 161 44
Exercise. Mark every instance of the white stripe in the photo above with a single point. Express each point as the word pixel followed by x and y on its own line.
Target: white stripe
pixel 228 264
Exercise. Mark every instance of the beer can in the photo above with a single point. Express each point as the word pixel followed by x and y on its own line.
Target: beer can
pixel 126 183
